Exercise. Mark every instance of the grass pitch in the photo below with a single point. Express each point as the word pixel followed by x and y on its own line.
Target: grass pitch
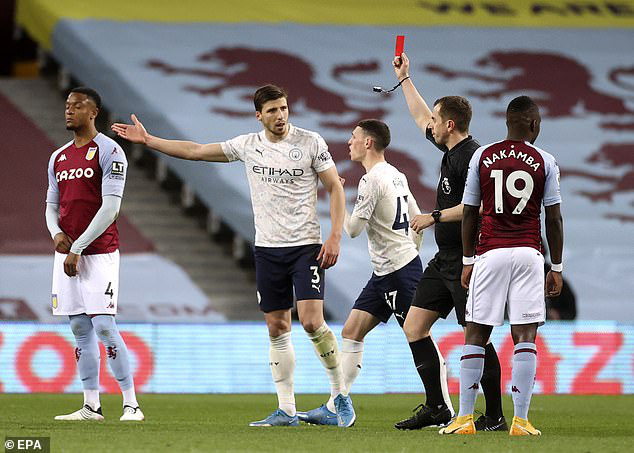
pixel 203 423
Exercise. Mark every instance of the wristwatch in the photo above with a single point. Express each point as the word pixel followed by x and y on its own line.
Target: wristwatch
pixel 436 215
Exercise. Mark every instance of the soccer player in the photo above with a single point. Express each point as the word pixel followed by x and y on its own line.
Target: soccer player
pixel 439 291
pixel 384 207
pixel 511 178
pixel 283 165
pixel 86 178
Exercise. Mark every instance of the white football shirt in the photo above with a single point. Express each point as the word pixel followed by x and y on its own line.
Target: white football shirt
pixel 385 201
pixel 283 183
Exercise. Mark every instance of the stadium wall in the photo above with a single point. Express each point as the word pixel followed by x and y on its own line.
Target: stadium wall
pixel 573 358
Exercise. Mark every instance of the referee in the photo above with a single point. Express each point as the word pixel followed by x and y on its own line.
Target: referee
pixel 439 291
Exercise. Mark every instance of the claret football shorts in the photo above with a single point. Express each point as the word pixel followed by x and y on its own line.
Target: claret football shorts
pixel 511 278
pixel 94 291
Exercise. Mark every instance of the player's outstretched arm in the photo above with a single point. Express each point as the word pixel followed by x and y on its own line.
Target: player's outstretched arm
pixel 469 232
pixel 555 238
pixel 329 252
pixel 417 106
pixel 136 133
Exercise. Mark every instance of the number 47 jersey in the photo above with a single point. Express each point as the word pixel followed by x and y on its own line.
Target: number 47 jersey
pixel 511 179
pixel 385 201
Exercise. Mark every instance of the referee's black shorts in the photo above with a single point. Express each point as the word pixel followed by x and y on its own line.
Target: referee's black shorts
pixel 438 293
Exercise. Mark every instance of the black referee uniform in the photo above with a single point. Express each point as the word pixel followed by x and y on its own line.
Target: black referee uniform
pixel 439 289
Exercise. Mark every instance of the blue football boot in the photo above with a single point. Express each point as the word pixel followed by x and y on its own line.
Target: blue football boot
pixel 345 411
pixel 319 416
pixel 277 418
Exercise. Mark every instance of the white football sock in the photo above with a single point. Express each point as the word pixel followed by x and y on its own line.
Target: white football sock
pixel 443 380
pixel 523 377
pixel 351 360
pixel 471 368
pixel 129 397
pixel 282 362
pixel 326 348
pixel 91 398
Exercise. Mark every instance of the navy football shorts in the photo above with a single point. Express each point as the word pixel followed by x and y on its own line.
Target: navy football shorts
pixel 279 270
pixel 391 293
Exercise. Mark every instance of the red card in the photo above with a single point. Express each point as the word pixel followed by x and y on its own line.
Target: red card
pixel 400 45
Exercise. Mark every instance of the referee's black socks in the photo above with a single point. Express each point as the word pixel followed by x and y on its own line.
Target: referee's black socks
pixel 428 367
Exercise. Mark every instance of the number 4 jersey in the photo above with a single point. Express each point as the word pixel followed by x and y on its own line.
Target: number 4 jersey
pixel 385 201
pixel 78 178
pixel 512 179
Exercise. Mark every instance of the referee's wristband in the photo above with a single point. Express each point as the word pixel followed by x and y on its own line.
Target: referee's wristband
pixel 468 260
pixel 557 267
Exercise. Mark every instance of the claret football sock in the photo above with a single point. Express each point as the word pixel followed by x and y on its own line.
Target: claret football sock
pixel 87 356
pixel 523 377
pixel 351 359
pixel 116 354
pixel 326 348
pixel 490 382
pixel 471 366
pixel 282 362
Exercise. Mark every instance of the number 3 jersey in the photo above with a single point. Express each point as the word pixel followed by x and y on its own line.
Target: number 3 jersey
pixel 385 201
pixel 512 179
pixel 78 178
pixel 283 183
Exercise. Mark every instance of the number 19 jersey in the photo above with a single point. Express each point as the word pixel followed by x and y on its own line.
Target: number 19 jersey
pixel 512 179
pixel 385 201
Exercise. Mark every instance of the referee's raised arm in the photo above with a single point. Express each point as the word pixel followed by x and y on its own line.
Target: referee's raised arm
pixel 417 106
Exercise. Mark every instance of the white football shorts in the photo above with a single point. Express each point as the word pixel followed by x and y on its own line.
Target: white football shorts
pixel 94 291
pixel 507 277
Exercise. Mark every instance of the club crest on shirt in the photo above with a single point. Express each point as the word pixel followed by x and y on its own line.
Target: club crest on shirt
pixel 446 188
pixel 91 152
pixel 295 154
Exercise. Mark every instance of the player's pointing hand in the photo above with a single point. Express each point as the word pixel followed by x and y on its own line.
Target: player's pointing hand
pixel 135 132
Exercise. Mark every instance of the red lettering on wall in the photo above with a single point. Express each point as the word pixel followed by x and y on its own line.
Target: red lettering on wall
pixel 546 365
pixel 144 360
pixel 608 344
pixel 42 341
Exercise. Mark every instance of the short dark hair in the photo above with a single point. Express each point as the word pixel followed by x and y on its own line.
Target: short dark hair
pixel 267 93
pixel 457 109
pixel 521 104
pixel 90 93
pixel 379 132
